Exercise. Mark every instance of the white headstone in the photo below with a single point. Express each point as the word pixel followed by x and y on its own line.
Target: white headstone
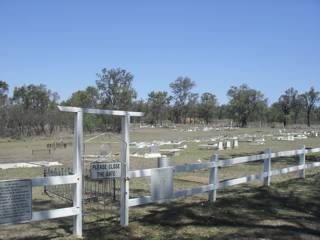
pixel 235 143
pixel 154 148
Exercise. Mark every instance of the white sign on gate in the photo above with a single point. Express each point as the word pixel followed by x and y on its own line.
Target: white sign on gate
pixel 103 170
pixel 15 201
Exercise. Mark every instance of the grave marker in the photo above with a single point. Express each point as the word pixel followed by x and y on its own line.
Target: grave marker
pixel 235 143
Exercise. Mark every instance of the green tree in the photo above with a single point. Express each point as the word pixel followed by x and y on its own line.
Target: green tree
pixel 192 108
pixel 288 103
pixel 208 106
pixel 115 89
pixel 181 89
pixel 34 110
pixel 222 111
pixel 310 98
pixel 116 92
pixel 275 113
pixel 158 104
pixel 88 98
pixel 317 113
pixel 4 108
pixel 4 88
pixel 296 108
pixel 140 106
pixel 246 104
pixel 34 97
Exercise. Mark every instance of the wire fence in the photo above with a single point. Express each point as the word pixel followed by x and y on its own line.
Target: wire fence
pixel 101 198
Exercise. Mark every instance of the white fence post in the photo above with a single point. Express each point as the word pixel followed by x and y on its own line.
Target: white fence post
pixel 77 170
pixel 302 161
pixel 267 168
pixel 124 183
pixel 213 178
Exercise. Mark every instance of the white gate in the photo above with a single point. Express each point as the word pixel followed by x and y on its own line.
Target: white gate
pixel 124 153
pixel 76 178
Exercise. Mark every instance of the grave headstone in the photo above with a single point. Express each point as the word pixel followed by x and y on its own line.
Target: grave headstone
pixel 154 149
pixel 235 143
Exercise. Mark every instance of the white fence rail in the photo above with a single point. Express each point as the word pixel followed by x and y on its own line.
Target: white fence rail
pixel 54 180
pixel 55 213
pixel 74 179
pixel 125 202
pixel 214 164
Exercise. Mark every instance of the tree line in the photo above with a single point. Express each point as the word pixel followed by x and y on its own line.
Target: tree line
pixel 32 109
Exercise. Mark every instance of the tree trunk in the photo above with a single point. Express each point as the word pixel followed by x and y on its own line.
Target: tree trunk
pixel 284 122
pixel 243 122
pixel 308 118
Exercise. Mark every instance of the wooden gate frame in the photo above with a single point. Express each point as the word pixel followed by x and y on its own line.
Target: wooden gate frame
pixel 75 178
pixel 78 160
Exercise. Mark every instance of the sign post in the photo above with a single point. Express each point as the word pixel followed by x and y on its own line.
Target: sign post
pixel 124 182
pixel 302 162
pixel 213 178
pixel 77 170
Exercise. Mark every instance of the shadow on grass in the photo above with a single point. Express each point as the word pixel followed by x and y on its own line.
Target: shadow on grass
pixel 286 210
pixel 293 213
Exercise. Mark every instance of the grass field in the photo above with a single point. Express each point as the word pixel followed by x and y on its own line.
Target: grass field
pixel 289 209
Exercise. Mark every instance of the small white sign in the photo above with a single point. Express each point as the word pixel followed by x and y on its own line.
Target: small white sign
pixel 103 170
pixel 15 201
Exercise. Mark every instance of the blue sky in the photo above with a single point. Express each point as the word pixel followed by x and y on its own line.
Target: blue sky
pixel 270 45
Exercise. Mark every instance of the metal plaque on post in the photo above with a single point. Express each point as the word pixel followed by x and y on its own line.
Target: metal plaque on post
pixel 103 170
pixel 15 201
pixel 161 183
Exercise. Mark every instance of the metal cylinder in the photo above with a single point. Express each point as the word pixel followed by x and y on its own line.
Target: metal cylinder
pixel 163 161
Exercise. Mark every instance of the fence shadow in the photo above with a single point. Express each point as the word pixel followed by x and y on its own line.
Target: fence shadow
pixel 287 210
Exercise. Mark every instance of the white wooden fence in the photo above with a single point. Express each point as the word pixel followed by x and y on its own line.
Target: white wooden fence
pixel 124 158
pixel 213 165
pixel 77 167
pixel 75 179
pixel 125 202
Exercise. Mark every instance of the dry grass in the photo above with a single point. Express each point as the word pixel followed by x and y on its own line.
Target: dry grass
pixel 289 209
